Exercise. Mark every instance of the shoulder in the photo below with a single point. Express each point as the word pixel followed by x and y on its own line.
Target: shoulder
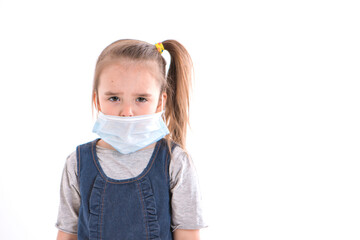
pixel 71 164
pixel 182 168
pixel 181 157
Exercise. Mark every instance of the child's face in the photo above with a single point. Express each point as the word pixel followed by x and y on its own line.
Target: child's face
pixel 129 89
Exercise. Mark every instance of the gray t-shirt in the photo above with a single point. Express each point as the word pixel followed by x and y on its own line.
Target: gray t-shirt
pixel 184 186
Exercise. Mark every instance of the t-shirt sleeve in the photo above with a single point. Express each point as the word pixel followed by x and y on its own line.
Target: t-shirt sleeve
pixel 67 220
pixel 186 197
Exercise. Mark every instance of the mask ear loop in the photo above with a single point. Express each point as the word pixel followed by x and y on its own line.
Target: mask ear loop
pixel 162 108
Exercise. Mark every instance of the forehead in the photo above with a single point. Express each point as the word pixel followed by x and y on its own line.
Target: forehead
pixel 129 75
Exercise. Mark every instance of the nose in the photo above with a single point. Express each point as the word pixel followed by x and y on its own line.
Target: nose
pixel 126 111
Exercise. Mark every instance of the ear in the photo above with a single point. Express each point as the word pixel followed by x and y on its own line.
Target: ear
pixel 164 97
pixel 96 102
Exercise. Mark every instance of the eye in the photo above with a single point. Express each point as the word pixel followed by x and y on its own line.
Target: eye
pixel 141 99
pixel 114 99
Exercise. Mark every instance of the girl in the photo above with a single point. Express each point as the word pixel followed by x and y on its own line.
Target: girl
pixel 136 181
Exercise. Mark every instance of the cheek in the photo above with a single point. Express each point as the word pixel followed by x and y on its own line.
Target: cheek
pixel 146 109
pixel 106 107
pixel 107 110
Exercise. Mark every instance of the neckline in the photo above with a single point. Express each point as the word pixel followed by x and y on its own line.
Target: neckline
pixel 101 149
pixel 128 180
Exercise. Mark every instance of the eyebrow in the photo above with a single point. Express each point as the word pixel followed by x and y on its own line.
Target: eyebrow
pixel 136 94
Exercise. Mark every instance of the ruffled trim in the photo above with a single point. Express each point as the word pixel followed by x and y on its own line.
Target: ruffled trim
pixel 95 207
pixel 150 209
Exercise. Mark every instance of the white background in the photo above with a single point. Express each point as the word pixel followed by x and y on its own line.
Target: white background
pixel 275 108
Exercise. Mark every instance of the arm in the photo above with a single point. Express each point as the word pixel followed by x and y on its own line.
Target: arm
pixel 66 236
pixel 187 217
pixel 70 199
pixel 185 234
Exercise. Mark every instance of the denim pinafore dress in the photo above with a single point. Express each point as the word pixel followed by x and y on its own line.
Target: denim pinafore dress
pixel 131 209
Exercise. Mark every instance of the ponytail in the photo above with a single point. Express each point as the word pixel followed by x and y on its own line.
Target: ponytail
pixel 179 85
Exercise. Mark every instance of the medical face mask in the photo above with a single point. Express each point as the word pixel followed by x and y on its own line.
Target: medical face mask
pixel 129 134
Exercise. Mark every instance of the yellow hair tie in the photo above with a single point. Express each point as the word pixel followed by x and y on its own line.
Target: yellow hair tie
pixel 160 47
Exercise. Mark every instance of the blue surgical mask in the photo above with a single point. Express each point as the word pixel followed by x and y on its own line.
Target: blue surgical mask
pixel 129 134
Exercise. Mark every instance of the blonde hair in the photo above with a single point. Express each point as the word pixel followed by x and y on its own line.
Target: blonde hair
pixel 177 83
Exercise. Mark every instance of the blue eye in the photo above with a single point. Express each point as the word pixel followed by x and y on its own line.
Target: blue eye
pixel 141 99
pixel 113 99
